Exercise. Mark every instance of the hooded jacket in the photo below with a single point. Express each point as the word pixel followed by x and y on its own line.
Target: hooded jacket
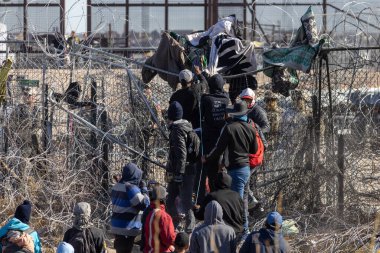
pixel 213 107
pixel 238 139
pixel 230 201
pixel 158 218
pixel 128 203
pixel 265 241
pixel 188 97
pixel 260 117
pixel 213 235
pixel 179 130
pixel 16 224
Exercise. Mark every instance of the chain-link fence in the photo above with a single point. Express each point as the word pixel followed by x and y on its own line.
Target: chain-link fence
pixel 323 155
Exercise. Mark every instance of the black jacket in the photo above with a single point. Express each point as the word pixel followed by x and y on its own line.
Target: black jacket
pixel 212 110
pixel 188 98
pixel 97 237
pixel 263 241
pixel 259 116
pixel 229 200
pixel 238 138
pixel 177 144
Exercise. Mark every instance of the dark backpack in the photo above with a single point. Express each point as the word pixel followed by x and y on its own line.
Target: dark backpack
pixel 83 241
pixel 193 144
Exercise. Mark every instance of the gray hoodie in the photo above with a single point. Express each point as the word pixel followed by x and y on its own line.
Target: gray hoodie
pixel 213 235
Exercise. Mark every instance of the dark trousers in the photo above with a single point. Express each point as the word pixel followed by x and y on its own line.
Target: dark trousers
pixel 185 204
pixel 209 170
pixel 123 244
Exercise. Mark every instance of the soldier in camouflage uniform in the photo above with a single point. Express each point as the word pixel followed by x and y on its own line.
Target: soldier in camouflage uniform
pixel 146 121
pixel 88 143
pixel 25 125
pixel 274 113
pixel 295 128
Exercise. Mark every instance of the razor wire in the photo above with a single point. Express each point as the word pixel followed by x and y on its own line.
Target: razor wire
pixel 69 170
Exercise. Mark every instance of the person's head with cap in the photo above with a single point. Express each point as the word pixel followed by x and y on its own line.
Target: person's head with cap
pixel 216 83
pixel 249 96
pixel 185 77
pixel 238 111
pixel 181 242
pixel 270 99
pixel 82 214
pixel 65 247
pixel 28 96
pixel 24 211
pixel 175 111
pixel 159 195
pixel 274 221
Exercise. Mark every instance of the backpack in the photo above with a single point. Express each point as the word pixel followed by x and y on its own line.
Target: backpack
pixel 193 144
pixel 18 241
pixel 257 158
pixel 83 241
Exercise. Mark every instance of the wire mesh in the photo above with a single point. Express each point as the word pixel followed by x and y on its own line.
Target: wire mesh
pixel 300 167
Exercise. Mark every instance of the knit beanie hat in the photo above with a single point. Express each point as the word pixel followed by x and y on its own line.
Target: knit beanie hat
pixel 186 76
pixel 274 219
pixel 65 247
pixel 24 211
pixel 175 111
pixel 82 214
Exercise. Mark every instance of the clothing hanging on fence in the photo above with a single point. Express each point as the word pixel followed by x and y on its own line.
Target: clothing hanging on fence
pixel 170 57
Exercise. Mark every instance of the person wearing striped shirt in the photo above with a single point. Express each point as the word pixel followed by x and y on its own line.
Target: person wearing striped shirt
pixel 128 204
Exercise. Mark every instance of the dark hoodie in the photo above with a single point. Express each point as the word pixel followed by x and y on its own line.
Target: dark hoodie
pixel 213 235
pixel 265 241
pixel 229 200
pixel 131 174
pixel 178 149
pixel 128 203
pixel 213 106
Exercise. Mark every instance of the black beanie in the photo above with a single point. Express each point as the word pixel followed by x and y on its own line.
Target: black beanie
pixel 175 111
pixel 24 211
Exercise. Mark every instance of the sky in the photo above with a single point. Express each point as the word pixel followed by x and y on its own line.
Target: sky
pixel 184 18
pixel 76 15
pixel 180 18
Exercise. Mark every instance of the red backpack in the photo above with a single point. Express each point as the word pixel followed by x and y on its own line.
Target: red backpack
pixel 257 158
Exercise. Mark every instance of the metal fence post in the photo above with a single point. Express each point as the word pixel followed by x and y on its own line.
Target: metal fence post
pixel 44 92
pixel 104 125
pixel 341 175
pixel 94 141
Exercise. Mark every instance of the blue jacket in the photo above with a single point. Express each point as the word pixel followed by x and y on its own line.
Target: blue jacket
pixel 265 241
pixel 128 203
pixel 16 224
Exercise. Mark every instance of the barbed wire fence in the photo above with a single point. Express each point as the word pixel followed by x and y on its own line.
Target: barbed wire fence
pixel 55 160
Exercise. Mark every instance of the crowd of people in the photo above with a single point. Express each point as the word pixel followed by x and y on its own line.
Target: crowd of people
pixel 208 175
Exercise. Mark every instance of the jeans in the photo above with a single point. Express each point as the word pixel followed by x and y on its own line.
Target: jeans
pixel 185 206
pixel 240 177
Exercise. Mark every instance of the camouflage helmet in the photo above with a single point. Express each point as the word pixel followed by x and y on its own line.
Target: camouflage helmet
pixel 270 96
pixel 297 95
pixel 27 91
